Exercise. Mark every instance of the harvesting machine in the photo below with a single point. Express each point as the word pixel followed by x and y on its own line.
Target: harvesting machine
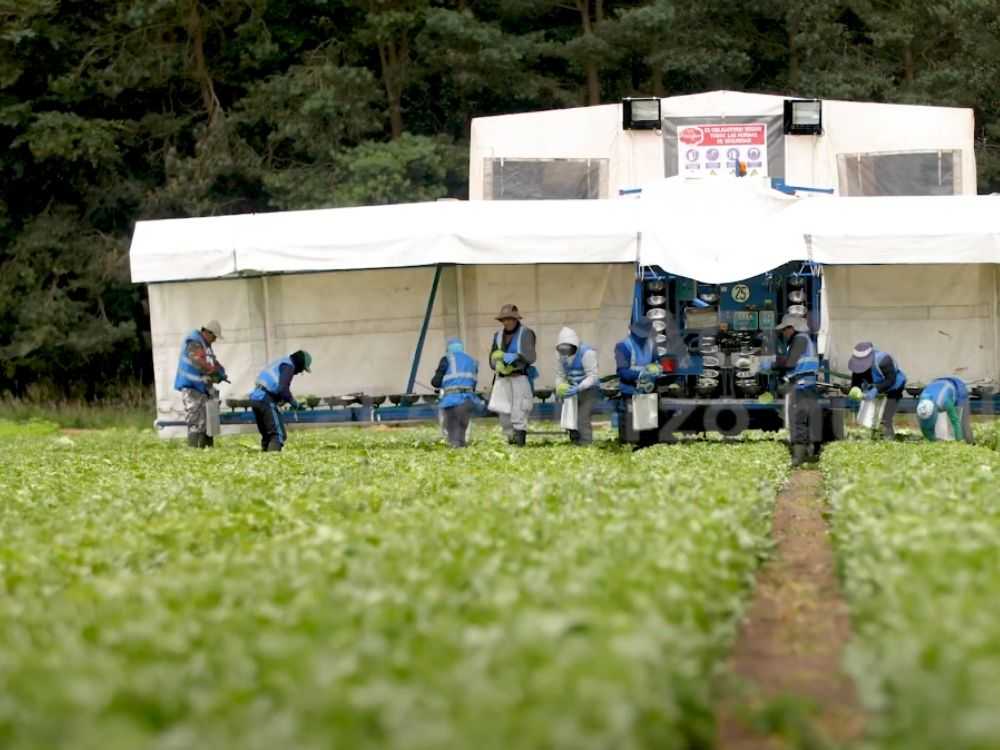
pixel 709 340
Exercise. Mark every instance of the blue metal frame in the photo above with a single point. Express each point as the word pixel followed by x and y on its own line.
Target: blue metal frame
pixel 423 331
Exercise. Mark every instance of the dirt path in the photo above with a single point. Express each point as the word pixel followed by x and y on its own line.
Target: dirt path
pixel 792 639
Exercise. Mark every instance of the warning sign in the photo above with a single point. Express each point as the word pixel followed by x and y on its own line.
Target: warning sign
pixel 718 148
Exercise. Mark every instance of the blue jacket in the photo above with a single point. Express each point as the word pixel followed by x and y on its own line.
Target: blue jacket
pixel 946 394
pixel 631 355
pixel 188 374
pixel 878 378
pixel 573 369
pixel 806 367
pixel 459 382
pixel 269 381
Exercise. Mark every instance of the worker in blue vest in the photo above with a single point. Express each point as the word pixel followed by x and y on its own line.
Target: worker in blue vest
pixel 577 377
pixel 799 367
pixel 198 371
pixel 875 373
pixel 274 388
pixel 457 375
pixel 637 371
pixel 512 357
pixel 948 396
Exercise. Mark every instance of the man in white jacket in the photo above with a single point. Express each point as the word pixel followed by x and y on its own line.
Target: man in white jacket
pixel 577 378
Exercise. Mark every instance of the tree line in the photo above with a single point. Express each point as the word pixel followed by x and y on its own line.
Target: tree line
pixel 117 110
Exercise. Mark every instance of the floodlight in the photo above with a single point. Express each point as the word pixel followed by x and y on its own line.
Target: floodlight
pixel 803 117
pixel 641 114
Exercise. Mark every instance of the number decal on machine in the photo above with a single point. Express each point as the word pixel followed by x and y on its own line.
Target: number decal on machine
pixel 741 293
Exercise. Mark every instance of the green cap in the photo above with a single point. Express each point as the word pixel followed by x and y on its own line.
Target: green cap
pixel 307 361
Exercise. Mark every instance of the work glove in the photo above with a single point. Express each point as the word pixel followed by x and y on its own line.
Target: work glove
pixel 654 369
pixel 510 358
pixel 503 369
pixel 855 394
pixel 496 356
pixel 871 393
pixel 562 389
pixel 572 391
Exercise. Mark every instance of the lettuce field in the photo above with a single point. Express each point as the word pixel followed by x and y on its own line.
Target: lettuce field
pixel 370 590
pixel 373 589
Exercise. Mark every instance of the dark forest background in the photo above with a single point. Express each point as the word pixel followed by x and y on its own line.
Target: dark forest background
pixel 118 110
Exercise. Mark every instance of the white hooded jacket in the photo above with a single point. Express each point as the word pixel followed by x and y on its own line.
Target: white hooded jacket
pixel 593 378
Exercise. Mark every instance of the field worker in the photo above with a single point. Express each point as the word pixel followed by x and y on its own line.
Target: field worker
pixel 875 373
pixel 948 396
pixel 577 377
pixel 456 376
pixel 274 388
pixel 799 366
pixel 197 373
pixel 512 356
pixel 634 360
pixel 637 372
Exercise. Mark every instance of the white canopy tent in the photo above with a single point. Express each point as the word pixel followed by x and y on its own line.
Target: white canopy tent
pixel 276 281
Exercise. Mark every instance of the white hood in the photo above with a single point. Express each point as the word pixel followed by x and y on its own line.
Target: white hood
pixel 568 336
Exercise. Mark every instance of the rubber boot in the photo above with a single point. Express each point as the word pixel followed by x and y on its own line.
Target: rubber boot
pixel 512 438
pixel 194 440
pixel 799 454
pixel 574 437
pixel 273 446
pixel 209 441
pixel 520 437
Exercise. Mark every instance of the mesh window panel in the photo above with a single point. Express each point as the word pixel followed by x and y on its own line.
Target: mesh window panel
pixel 541 179
pixel 915 173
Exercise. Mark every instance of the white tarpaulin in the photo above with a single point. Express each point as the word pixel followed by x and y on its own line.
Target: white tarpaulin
pixel 397 236
pixel 910 229
pixel 718 229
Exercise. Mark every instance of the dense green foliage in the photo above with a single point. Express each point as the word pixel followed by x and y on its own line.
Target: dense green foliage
pixel 916 528
pixel 370 590
pixel 114 110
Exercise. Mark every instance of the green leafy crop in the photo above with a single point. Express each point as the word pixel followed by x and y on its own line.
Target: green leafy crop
pixel 917 529
pixel 371 589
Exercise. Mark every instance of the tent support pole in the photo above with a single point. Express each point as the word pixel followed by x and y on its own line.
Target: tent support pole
pixel 267 319
pixel 423 330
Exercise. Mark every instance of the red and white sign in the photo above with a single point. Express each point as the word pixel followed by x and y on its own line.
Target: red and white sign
pixel 719 148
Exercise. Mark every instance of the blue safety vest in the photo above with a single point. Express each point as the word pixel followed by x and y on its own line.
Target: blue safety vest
pixel 573 369
pixel 459 382
pixel 638 358
pixel 941 390
pixel 188 374
pixel 878 378
pixel 514 347
pixel 270 377
pixel 806 368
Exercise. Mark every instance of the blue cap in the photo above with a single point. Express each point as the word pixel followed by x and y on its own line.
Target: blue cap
pixel 455 344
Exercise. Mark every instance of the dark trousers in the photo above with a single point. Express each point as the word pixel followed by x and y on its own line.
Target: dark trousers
pixel 270 425
pixel 805 419
pixel 891 407
pixel 456 423
pixel 585 402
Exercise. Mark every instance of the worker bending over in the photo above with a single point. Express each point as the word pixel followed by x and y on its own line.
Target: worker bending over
pixel 198 371
pixel 577 383
pixel 799 366
pixel 456 376
pixel 945 396
pixel 274 388
pixel 512 356
pixel 875 373
pixel 637 371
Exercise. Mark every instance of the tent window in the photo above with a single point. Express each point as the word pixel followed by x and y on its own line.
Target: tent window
pixel 914 173
pixel 535 179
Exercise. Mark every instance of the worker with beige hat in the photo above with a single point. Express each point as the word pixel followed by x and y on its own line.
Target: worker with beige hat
pixel 512 356
pixel 198 370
